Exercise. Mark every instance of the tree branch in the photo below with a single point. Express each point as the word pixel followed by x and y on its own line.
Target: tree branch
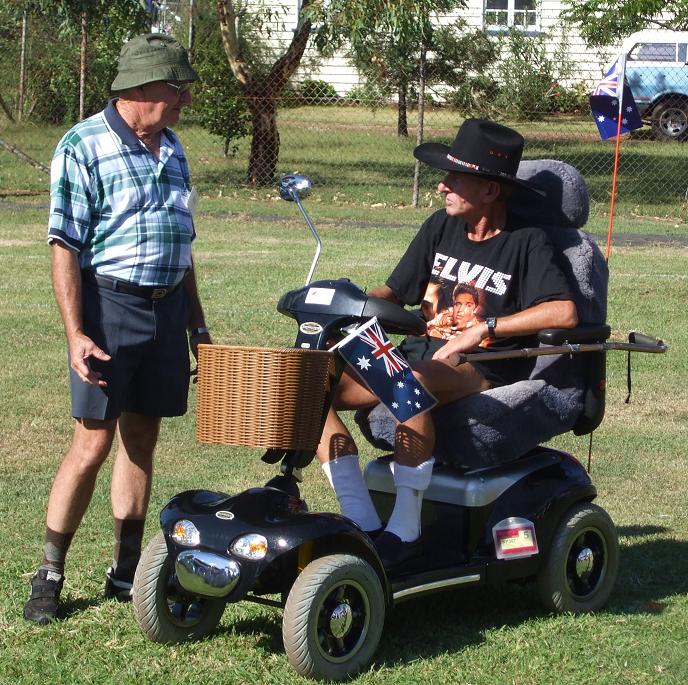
pixel 16 151
pixel 228 18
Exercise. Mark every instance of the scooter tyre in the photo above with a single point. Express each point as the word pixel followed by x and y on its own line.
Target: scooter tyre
pixel 583 560
pixel 164 613
pixel 333 618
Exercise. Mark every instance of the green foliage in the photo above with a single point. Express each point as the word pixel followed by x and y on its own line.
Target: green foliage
pixel 218 105
pixel 571 99
pixel 475 96
pixel 369 95
pixel 387 42
pixel 529 79
pixel 52 88
pixel 604 22
pixel 317 92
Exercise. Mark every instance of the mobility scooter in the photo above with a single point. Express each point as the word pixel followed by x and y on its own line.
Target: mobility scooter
pixel 519 512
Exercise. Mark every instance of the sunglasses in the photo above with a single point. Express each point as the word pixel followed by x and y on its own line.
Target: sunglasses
pixel 180 88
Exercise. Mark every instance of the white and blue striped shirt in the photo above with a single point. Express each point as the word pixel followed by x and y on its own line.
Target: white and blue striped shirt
pixel 124 211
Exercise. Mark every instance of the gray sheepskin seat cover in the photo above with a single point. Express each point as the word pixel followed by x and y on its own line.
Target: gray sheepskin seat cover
pixel 501 424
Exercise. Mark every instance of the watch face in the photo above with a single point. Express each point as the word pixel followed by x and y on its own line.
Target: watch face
pixel 491 323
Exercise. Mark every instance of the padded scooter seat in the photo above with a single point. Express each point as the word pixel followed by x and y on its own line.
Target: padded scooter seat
pixel 501 424
pixel 473 488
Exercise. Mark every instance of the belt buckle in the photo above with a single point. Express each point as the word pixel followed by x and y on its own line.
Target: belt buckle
pixel 158 293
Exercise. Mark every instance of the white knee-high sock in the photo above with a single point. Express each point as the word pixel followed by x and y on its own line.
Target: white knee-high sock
pixel 411 482
pixel 352 494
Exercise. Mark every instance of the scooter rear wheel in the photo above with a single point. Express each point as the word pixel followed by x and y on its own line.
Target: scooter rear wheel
pixel 165 613
pixel 580 570
pixel 333 617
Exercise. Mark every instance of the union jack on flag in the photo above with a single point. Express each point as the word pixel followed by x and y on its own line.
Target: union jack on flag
pixel 382 348
pixel 612 99
pixel 609 85
pixel 375 360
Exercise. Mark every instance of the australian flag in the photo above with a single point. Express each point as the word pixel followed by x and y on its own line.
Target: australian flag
pixel 385 371
pixel 604 102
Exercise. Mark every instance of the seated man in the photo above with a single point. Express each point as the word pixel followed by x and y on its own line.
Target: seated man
pixel 519 289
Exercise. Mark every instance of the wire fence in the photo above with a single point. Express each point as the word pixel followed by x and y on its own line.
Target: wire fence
pixel 351 121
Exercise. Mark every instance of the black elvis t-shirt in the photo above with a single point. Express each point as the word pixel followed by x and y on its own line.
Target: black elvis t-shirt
pixel 459 282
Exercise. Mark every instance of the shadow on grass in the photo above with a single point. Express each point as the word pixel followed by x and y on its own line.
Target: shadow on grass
pixel 637 531
pixel 267 628
pixel 649 574
pixel 77 606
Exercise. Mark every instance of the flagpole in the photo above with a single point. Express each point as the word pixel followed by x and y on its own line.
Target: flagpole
pixel 619 95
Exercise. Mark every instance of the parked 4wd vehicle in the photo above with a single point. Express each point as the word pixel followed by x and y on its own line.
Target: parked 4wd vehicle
pixel 657 72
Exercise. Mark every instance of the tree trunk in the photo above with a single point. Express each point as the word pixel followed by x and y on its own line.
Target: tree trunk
pixel 262 95
pixel 82 67
pixel 265 141
pixel 402 120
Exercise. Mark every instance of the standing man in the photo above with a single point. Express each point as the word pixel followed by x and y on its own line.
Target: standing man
pixel 512 269
pixel 120 231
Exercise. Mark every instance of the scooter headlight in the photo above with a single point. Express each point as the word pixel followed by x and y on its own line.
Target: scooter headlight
pixel 185 533
pixel 252 546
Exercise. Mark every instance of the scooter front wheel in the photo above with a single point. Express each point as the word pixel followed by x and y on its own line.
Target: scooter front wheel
pixel 580 570
pixel 164 612
pixel 333 617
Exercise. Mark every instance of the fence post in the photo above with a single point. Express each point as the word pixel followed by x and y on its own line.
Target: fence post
pixel 22 67
pixel 419 126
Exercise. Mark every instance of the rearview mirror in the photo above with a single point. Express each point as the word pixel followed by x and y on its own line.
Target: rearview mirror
pixel 293 186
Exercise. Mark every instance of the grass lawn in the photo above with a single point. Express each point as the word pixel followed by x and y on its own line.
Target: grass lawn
pixel 360 165
pixel 250 249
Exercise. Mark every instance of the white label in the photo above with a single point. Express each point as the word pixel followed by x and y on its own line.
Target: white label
pixel 192 202
pixel 320 296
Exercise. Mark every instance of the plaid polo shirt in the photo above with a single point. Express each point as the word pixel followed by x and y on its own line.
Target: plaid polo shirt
pixel 124 211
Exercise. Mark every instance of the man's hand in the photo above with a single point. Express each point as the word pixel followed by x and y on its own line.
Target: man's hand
pixel 194 342
pixel 81 349
pixel 466 341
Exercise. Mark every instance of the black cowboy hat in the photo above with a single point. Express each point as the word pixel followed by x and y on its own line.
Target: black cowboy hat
pixel 483 148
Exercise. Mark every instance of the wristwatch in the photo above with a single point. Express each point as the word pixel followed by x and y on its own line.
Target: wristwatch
pixel 491 322
pixel 198 331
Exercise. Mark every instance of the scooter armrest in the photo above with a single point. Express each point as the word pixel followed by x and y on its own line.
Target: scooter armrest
pixel 589 333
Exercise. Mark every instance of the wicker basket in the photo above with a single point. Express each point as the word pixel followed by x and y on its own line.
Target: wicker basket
pixel 261 397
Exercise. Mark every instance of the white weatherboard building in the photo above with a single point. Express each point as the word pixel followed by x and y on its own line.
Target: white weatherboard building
pixel 533 17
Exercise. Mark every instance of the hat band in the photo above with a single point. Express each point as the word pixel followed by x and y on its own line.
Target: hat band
pixel 477 167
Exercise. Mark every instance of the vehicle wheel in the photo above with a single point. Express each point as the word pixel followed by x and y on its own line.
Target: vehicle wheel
pixel 165 613
pixel 581 566
pixel 670 120
pixel 333 618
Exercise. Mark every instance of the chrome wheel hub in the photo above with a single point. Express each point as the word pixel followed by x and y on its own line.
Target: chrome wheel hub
pixel 341 620
pixel 674 122
pixel 585 562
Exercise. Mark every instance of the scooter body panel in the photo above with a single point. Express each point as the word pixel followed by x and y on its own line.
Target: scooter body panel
pixel 458 542
pixel 292 535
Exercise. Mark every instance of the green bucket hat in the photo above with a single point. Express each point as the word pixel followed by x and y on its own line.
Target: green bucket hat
pixel 152 57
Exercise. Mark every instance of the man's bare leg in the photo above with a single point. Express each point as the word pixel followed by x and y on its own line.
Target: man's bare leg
pixel 338 456
pixel 132 475
pixel 69 498
pixel 413 461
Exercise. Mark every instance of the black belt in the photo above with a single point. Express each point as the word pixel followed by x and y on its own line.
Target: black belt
pixel 150 292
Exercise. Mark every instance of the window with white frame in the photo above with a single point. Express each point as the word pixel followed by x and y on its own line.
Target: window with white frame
pixel 504 14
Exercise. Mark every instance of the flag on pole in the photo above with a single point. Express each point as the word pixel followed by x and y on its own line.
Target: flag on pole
pixel 383 369
pixel 612 99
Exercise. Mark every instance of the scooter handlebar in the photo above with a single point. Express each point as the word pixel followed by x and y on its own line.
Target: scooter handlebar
pixel 394 319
